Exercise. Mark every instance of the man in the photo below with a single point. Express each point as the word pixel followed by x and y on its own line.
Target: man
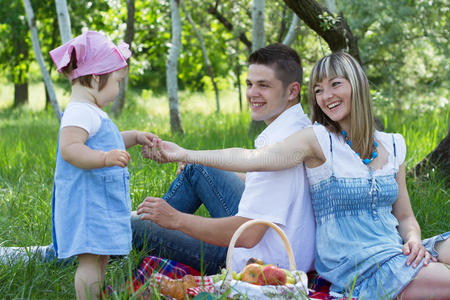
pixel 167 227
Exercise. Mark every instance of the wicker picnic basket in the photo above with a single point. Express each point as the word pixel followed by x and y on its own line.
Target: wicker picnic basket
pixel 234 288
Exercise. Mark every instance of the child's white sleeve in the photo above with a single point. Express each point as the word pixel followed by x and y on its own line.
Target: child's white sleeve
pixel 81 115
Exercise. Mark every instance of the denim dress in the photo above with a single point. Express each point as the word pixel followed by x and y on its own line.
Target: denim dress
pixel 91 208
pixel 358 246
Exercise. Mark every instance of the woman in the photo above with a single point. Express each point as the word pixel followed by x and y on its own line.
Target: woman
pixel 368 240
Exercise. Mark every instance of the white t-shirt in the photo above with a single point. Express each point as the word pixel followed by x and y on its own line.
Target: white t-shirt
pixel 281 197
pixel 83 115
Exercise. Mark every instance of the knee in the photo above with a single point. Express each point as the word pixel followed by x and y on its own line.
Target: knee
pixel 190 169
pixel 443 250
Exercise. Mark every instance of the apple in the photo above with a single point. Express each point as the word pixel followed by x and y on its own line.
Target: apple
pixel 252 273
pixel 272 275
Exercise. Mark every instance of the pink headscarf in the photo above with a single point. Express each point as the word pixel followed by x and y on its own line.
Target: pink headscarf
pixel 95 53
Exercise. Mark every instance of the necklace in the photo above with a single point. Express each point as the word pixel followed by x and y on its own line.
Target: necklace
pixel 366 161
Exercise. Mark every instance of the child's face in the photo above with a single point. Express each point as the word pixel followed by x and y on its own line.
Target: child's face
pixel 111 89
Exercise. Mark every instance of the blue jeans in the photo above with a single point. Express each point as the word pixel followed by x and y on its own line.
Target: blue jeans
pixel 219 191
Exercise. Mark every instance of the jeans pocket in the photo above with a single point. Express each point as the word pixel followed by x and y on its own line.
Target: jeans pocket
pixel 118 202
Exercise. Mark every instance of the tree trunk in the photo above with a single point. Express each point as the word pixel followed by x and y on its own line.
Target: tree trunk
pixel 258 41
pixel 119 102
pixel 335 32
pixel 21 77
pixel 206 58
pixel 63 20
pixel 238 82
pixel 439 158
pixel 20 94
pixel 291 34
pixel 40 59
pixel 172 68
pixel 258 36
pixel 50 61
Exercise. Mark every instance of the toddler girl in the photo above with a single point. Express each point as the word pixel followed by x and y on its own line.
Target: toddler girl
pixel 91 203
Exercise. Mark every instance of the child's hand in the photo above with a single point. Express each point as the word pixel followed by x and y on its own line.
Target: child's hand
pixel 145 138
pixel 117 157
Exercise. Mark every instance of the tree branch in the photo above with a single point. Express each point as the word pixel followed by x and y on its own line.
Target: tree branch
pixel 228 25
pixel 336 33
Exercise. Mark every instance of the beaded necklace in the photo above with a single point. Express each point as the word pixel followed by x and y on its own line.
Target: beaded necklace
pixel 366 161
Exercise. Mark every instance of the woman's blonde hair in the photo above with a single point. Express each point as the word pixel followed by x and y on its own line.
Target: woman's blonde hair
pixel 362 122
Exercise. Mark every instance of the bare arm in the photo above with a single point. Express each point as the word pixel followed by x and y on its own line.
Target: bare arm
pixel 134 137
pixel 408 227
pixel 215 231
pixel 74 151
pixel 283 155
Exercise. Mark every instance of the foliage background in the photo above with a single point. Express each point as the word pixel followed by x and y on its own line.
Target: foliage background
pixel 403 46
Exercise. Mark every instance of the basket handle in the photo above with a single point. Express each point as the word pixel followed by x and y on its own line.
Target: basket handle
pixel 292 265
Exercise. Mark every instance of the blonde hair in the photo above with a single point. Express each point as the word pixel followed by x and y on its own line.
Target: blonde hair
pixel 361 119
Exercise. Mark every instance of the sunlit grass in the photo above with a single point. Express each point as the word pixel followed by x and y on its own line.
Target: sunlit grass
pixel 27 159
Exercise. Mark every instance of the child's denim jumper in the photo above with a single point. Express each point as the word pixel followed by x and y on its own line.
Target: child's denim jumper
pixel 91 208
pixel 358 245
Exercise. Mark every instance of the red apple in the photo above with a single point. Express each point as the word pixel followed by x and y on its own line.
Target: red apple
pixel 252 273
pixel 272 275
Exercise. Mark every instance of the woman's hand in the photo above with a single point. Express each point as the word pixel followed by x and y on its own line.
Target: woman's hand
pixel 164 152
pixel 160 212
pixel 117 157
pixel 416 252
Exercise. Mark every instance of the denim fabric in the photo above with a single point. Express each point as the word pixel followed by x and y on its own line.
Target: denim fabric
pixel 219 191
pixel 358 245
pixel 91 208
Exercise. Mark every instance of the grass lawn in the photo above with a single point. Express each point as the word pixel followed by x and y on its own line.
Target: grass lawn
pixel 27 159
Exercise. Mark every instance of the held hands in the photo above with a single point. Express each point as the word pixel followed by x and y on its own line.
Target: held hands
pixel 145 138
pixel 416 252
pixel 164 152
pixel 116 157
pixel 159 211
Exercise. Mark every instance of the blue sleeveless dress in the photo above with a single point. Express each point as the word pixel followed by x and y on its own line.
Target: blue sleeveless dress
pixel 91 208
pixel 358 247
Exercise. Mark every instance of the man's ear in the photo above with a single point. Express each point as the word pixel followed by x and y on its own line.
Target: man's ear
pixel 293 90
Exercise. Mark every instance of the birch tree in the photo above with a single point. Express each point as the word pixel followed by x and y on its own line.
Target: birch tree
pixel 258 41
pixel 258 36
pixel 172 67
pixel 40 60
pixel 292 32
pixel 119 102
pixel 208 66
pixel 63 20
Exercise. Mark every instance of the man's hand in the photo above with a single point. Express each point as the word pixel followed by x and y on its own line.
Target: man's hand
pixel 145 138
pixel 181 166
pixel 416 252
pixel 117 157
pixel 160 212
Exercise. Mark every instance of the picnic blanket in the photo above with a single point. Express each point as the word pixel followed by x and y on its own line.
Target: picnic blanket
pixel 153 269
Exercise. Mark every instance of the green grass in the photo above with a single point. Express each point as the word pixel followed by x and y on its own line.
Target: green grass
pixel 27 159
